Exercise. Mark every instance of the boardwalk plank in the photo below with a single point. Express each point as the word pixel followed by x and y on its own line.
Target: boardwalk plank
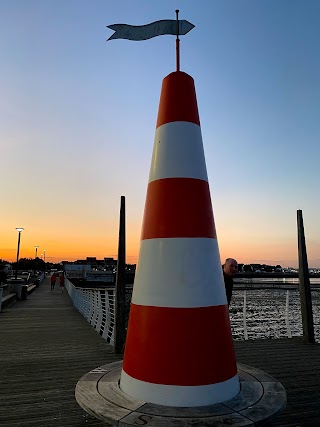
pixel 297 366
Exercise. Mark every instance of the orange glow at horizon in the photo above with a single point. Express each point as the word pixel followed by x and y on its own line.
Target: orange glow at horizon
pixel 72 248
pixel 69 246
pixel 72 237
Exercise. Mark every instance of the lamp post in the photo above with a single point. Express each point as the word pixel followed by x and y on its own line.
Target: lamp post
pixel 19 229
pixel 36 251
pixel 44 259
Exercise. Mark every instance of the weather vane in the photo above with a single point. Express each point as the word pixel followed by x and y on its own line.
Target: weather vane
pixel 158 28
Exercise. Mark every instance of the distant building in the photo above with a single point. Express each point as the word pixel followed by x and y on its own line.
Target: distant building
pixel 106 263
pixel 259 268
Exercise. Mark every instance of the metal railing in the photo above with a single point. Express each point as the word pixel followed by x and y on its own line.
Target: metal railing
pixel 270 313
pixel 254 313
pixel 97 306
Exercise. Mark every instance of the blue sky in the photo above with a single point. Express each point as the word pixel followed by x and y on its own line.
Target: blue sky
pixel 78 114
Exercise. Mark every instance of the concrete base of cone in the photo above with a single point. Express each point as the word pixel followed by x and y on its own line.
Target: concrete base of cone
pixel 260 400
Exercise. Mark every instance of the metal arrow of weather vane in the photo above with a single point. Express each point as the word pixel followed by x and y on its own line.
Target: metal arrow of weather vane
pixel 158 28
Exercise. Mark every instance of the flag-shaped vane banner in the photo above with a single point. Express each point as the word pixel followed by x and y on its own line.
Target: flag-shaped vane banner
pixel 145 32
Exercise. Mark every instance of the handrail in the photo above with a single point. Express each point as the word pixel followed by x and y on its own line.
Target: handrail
pixel 254 313
pixel 97 306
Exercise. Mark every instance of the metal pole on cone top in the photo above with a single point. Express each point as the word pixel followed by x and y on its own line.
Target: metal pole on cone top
pixel 120 287
pixel 178 289
pixel 178 43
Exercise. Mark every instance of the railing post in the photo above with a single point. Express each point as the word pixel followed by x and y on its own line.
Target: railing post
pixel 304 284
pixel 245 329
pixel 287 314
pixel 120 331
pixel 1 294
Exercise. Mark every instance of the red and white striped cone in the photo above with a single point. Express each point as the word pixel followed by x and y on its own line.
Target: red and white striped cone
pixel 179 349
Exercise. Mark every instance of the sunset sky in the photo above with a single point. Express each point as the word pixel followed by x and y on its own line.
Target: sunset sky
pixel 78 116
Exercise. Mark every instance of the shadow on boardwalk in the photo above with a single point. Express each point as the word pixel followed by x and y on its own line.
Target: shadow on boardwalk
pixel 46 347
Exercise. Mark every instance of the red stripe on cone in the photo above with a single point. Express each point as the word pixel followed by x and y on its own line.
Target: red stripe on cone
pixel 178 207
pixel 178 101
pixel 172 345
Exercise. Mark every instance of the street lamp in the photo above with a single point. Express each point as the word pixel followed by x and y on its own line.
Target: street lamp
pixel 44 254
pixel 36 251
pixel 41 256
pixel 19 229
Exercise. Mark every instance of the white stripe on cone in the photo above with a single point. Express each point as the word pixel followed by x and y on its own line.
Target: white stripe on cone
pixel 178 152
pixel 179 272
pixel 172 395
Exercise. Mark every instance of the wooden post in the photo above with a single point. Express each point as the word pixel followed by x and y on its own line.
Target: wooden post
pixel 304 284
pixel 120 288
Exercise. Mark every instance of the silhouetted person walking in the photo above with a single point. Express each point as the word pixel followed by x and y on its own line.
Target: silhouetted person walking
pixel 53 281
pixel 61 282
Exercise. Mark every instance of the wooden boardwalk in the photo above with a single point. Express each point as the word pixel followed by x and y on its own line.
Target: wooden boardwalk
pixel 46 346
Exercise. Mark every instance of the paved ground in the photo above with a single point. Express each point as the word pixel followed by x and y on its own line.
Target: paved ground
pixel 46 346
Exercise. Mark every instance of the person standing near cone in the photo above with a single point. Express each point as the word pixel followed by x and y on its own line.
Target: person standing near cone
pixel 230 268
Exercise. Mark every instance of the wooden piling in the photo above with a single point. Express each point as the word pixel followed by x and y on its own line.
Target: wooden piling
pixel 304 284
pixel 120 287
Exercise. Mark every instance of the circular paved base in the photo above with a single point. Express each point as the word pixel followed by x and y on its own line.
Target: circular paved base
pixel 260 400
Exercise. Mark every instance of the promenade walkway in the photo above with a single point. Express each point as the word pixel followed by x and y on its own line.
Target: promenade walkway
pixel 46 346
